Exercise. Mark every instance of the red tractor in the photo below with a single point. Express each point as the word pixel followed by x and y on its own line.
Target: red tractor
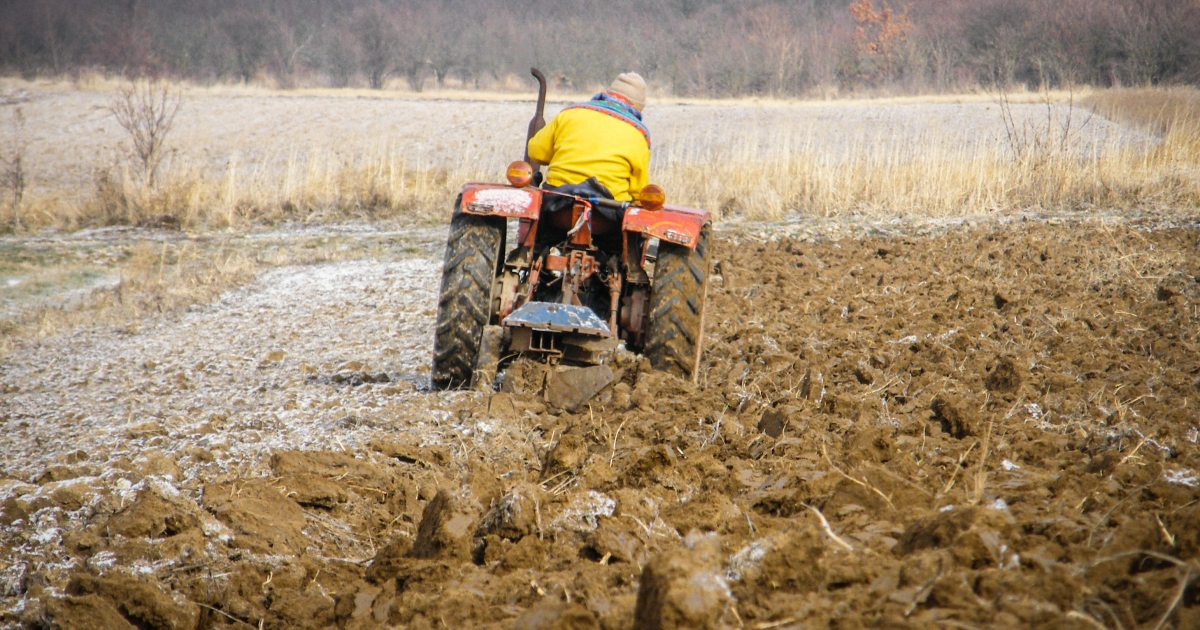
pixel 582 274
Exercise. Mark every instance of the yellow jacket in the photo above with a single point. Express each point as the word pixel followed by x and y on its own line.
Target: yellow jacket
pixel 581 143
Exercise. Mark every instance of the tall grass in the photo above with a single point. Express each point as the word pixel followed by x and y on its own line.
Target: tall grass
pixel 1042 166
pixel 1157 110
pixel 318 187
pixel 780 171
pixel 941 183
pixel 315 187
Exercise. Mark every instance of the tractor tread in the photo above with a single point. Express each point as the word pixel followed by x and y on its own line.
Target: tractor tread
pixel 464 301
pixel 677 299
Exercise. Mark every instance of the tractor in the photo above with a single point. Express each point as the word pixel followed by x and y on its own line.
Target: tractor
pixel 582 275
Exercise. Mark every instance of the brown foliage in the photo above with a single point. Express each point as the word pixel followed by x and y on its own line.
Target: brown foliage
pixel 879 32
pixel 879 36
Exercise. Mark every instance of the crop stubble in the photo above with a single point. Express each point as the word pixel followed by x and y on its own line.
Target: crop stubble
pixel 990 426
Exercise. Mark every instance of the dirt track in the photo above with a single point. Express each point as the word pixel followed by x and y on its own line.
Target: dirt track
pixel 997 423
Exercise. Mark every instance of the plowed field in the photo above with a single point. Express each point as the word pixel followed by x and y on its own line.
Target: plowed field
pixel 983 427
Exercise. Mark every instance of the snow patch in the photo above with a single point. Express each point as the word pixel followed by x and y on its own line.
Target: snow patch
pixel 102 561
pixel 1181 477
pixel 746 559
pixel 585 508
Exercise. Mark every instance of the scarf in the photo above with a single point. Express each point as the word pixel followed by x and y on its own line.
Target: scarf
pixel 617 106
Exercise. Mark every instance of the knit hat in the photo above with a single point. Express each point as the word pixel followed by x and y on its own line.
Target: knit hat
pixel 632 86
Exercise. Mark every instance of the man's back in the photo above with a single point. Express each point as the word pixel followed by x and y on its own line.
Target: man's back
pixel 580 143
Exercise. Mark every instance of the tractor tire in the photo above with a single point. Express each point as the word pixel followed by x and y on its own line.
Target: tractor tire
pixel 677 295
pixel 465 300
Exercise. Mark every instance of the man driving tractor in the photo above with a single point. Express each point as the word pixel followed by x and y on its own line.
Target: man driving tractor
pixel 598 258
pixel 603 139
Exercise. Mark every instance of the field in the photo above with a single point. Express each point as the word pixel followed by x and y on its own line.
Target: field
pixel 966 417
pixel 247 157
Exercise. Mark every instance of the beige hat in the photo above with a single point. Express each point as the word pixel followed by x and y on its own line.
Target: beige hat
pixel 632 86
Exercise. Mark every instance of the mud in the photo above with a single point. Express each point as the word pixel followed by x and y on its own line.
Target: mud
pixel 987 427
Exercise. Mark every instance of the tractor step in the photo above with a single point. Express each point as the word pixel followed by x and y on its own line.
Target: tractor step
pixel 574 333
pixel 564 318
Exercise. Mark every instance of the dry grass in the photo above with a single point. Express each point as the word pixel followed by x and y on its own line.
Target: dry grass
pixel 1157 110
pixel 1048 171
pixel 777 171
pixel 65 285
pixel 944 184
pixel 153 278
pixel 314 189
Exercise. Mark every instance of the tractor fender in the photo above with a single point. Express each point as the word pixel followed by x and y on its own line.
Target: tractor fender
pixel 498 200
pixel 673 224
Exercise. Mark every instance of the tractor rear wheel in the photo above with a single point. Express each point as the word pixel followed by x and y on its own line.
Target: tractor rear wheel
pixel 676 332
pixel 465 300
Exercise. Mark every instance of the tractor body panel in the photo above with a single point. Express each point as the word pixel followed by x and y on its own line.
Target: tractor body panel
pixel 500 200
pixel 672 224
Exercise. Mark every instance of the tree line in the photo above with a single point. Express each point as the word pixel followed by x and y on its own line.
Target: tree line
pixel 685 47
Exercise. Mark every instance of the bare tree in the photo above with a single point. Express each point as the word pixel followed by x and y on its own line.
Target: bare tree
pixel 289 46
pixel 146 110
pixel 339 59
pixel 12 163
pixel 770 32
pixel 250 35
pixel 445 49
pixel 285 55
pixel 378 40
pixel 414 45
pixel 703 47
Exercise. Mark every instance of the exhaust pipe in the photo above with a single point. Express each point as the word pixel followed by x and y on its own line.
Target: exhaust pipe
pixel 538 121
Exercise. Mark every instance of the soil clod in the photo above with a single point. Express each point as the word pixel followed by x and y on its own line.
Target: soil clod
pixel 684 589
pixel 773 422
pixel 445 530
pixel 955 420
pixel 1003 376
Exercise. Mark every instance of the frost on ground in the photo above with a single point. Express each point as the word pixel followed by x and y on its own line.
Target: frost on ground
pixel 267 367
pixel 323 357
pixel 287 423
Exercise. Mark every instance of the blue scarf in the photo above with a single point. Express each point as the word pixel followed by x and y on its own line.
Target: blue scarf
pixel 618 107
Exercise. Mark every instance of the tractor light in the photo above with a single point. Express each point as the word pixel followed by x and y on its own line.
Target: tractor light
pixel 652 197
pixel 519 174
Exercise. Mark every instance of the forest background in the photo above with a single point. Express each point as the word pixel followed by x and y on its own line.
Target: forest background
pixel 708 48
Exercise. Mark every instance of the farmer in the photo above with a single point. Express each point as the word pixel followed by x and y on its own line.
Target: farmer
pixel 598 148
